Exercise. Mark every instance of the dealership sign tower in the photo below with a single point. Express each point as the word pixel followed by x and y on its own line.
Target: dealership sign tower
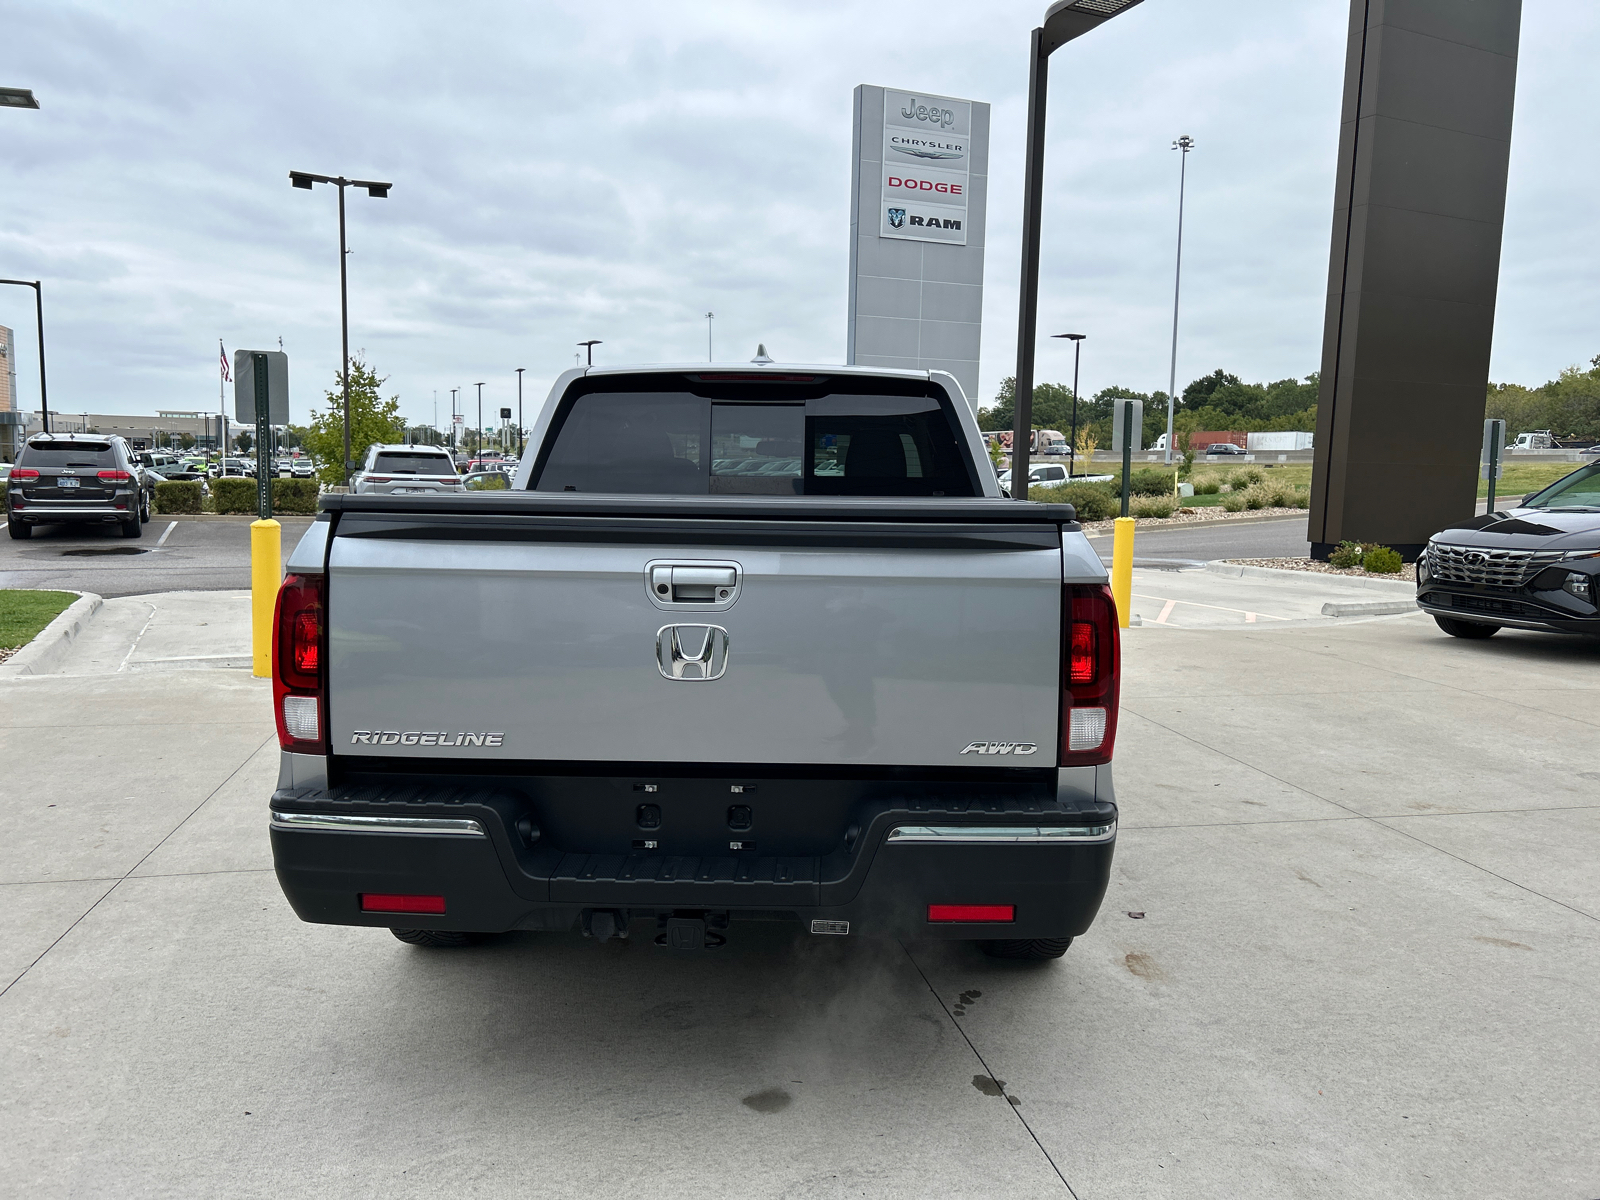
pixel 918 197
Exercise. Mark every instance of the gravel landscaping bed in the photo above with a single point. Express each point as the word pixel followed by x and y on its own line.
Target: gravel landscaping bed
pixel 1189 516
pixel 1407 572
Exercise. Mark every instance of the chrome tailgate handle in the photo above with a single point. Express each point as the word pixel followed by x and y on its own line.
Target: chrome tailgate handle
pixel 700 585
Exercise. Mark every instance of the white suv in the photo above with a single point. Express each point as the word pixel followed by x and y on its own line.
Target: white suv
pixel 399 470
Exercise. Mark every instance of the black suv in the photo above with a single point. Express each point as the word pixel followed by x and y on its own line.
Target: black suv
pixel 74 478
pixel 1534 567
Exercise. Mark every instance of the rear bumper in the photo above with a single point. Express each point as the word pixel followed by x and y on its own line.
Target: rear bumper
pixel 1052 866
pixel 60 511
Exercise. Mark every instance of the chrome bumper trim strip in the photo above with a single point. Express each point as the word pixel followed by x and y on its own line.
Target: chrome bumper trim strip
pixel 340 823
pixel 992 835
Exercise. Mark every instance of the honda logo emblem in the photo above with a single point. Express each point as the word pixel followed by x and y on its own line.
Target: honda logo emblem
pixel 692 653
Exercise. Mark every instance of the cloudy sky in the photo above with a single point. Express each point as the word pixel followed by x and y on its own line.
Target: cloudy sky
pixel 567 170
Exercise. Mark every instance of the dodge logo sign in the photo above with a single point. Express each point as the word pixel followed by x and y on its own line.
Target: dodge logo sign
pixel 897 218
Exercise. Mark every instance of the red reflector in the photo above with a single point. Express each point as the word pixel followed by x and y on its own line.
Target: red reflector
pixel 972 912
pixel 307 639
pixel 24 473
pixel 115 476
pixel 1081 669
pixel 383 902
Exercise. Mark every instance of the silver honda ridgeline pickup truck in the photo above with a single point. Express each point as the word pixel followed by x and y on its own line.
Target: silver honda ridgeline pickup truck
pixel 759 642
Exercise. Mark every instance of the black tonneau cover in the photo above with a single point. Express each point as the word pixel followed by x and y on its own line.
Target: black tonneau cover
pixel 892 510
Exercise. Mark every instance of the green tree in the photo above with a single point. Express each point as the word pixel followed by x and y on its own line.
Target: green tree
pixel 186 441
pixel 243 442
pixel 1052 407
pixel 373 421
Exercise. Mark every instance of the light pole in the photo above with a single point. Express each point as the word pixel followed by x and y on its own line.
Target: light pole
pixel 709 356
pixel 303 179
pixel 453 444
pixel 1063 21
pixel 38 313
pixel 1184 144
pixel 520 447
pixel 479 439
pixel 1077 349
pixel 589 346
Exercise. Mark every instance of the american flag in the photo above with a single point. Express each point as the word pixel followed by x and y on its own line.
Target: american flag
pixel 227 375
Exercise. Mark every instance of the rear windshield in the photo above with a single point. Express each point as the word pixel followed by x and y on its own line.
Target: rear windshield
pixel 76 454
pixel 409 462
pixel 758 438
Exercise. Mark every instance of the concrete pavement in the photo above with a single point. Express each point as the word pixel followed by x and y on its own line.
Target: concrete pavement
pixel 1361 855
pixel 187 553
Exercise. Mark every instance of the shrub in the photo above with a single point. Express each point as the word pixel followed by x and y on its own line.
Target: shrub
pixel 1381 560
pixel 1347 555
pixel 1255 498
pixel 1156 507
pixel 1094 501
pixel 1233 502
pixel 1207 487
pixel 178 496
pixel 234 495
pixel 1149 482
pixel 297 496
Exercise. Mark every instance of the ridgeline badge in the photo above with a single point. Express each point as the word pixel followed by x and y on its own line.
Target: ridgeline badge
pixel 362 737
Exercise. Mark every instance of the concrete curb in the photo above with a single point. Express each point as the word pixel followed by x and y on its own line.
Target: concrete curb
pixel 1239 571
pixel 1368 608
pixel 1153 524
pixel 44 654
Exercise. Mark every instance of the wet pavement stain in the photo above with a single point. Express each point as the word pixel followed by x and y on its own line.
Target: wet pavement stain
pixel 988 1086
pixel 1143 966
pixel 964 1001
pixel 1503 943
pixel 773 1100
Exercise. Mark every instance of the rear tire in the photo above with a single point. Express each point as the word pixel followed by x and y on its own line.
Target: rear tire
pixel 1034 949
pixel 144 507
pixel 1466 629
pixel 437 939
pixel 20 530
pixel 132 528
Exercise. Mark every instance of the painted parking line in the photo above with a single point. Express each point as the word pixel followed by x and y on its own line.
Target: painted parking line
pixel 166 535
pixel 1167 606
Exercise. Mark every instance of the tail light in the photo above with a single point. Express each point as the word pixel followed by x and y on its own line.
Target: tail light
pixel 115 476
pixel 21 473
pixel 379 479
pixel 1091 669
pixel 300 665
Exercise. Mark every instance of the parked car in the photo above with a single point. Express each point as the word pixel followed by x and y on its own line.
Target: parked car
pixel 1224 448
pixel 76 478
pixel 302 468
pixel 1535 566
pixel 640 689
pixel 402 470
pixel 487 481
pixel 232 468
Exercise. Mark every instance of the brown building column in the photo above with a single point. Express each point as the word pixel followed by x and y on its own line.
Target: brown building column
pixel 1418 209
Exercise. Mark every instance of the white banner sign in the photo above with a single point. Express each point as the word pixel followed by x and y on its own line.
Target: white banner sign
pixel 926 150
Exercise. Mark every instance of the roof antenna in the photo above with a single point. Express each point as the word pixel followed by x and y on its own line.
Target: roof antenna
pixel 761 354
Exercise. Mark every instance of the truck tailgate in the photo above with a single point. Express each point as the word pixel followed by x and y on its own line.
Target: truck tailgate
pixel 467 634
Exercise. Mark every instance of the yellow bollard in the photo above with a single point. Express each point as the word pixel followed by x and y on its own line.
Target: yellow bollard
pixel 1122 568
pixel 266 573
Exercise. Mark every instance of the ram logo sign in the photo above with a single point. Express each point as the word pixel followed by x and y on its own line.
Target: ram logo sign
pixel 1001 748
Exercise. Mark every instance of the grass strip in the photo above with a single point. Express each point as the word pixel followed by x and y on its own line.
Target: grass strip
pixel 24 613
